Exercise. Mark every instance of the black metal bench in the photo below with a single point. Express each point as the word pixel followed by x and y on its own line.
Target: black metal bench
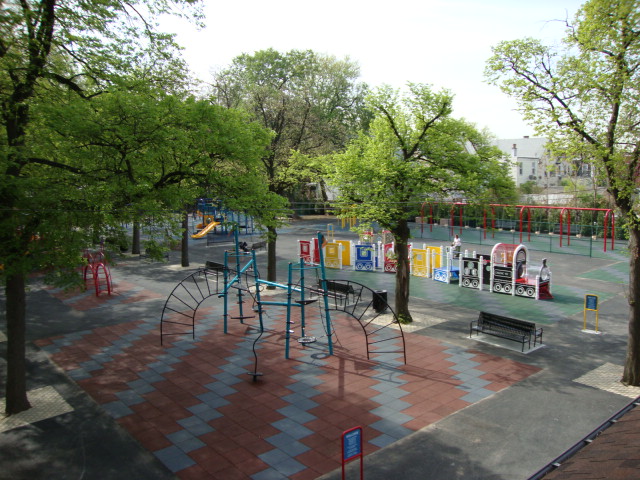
pixel 259 245
pixel 338 291
pixel 508 328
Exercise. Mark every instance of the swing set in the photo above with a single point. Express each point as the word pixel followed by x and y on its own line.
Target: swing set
pixel 523 222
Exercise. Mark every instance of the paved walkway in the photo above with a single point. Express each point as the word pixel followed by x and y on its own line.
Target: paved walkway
pixel 460 407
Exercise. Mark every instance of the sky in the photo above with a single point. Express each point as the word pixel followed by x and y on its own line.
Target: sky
pixel 443 43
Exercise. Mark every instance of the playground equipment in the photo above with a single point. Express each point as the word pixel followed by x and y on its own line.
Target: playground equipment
pixel 225 220
pixel 424 260
pixel 449 272
pixel 390 258
pixel 521 221
pixel 511 275
pixel 243 278
pixel 96 272
pixel 497 271
pixel 475 271
pixel 203 233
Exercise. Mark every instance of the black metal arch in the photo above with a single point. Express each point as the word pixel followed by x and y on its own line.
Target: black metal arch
pixel 366 305
pixel 188 295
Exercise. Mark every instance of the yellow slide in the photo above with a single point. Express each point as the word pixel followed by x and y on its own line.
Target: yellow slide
pixel 202 233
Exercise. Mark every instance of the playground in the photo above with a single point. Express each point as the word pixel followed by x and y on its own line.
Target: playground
pixel 253 386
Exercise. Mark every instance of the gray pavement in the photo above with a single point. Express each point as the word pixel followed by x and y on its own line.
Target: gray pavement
pixel 509 435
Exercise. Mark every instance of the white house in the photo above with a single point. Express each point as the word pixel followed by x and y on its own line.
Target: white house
pixel 531 161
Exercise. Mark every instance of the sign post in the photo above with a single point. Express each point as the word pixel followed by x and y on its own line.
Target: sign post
pixel 591 304
pixel 352 448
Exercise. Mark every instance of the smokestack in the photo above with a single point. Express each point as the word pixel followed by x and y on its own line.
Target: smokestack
pixel 514 150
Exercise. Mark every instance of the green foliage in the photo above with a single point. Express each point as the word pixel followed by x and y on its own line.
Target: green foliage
pixel 530 187
pixel 415 151
pixel 584 98
pixel 412 152
pixel 310 102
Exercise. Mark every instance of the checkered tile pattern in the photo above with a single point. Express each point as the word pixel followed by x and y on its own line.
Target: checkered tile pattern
pixel 194 404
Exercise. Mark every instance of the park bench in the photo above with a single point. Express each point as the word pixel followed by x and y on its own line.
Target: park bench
pixel 508 328
pixel 338 291
pixel 259 245
pixel 215 266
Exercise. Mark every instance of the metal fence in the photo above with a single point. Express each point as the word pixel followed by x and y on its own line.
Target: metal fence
pixel 575 245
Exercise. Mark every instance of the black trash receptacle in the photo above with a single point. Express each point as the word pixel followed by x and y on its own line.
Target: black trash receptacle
pixel 379 300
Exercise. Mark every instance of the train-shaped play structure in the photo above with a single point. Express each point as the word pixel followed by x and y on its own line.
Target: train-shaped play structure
pixel 506 270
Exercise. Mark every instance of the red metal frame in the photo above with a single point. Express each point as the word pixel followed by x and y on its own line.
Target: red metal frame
pixel 609 218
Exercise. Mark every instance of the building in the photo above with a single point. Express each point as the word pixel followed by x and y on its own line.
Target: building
pixel 531 161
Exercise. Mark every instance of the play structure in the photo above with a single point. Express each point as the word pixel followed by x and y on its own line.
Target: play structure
pixel 213 219
pixel 96 272
pixel 505 270
pixel 595 222
pixel 307 286
pixel 205 229
pixel 449 269
pixel 511 273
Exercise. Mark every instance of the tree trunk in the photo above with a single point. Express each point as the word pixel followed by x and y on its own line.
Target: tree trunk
pixel 401 237
pixel 135 241
pixel 16 394
pixel 272 236
pixel 631 374
pixel 185 240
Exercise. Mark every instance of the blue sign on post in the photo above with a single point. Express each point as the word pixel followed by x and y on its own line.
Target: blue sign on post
pixel 352 445
pixel 590 303
pixel 352 448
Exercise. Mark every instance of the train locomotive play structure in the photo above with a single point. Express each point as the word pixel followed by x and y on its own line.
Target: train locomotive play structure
pixel 506 270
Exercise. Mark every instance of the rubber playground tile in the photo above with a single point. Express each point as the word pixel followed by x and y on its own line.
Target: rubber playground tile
pixel 186 416
pixel 83 300
pixel 615 273
pixel 567 301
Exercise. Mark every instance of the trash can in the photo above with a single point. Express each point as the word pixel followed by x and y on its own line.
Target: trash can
pixel 379 300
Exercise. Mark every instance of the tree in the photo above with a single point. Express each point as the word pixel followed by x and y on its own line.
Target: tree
pixel 414 150
pixel 585 97
pixel 158 152
pixel 49 49
pixel 309 101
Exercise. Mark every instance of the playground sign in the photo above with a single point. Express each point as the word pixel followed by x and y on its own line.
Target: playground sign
pixel 352 448
pixel 590 304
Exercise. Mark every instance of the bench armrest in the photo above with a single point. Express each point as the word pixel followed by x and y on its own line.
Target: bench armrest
pixel 471 327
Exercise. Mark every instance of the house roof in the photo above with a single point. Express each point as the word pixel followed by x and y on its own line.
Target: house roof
pixel 611 452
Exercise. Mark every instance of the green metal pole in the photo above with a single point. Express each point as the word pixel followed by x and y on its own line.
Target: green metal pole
pixel 287 333
pixel 257 286
pixel 326 298
pixel 225 294
pixel 240 294
pixel 302 304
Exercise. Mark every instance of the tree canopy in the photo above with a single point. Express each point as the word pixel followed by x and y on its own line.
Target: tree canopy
pixel 584 96
pixel 311 103
pixel 97 129
pixel 413 151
